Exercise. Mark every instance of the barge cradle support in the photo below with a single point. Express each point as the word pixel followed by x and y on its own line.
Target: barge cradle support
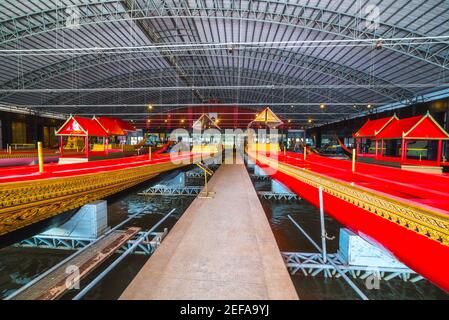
pixel 90 254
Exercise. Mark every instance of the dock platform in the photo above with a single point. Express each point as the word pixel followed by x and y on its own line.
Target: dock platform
pixel 221 248
pixel 53 285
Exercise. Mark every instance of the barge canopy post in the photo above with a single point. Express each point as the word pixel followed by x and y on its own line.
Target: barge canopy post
pixel 61 145
pixel 377 149
pixel 382 149
pixel 403 154
pixel 40 157
pixel 439 152
pixel 323 229
pixel 337 268
pixel 353 160
pixel 86 145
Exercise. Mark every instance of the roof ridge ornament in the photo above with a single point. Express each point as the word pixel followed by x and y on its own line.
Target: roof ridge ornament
pixel 268 117
pixel 203 121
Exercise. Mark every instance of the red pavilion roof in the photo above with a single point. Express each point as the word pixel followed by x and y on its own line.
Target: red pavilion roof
pixel 111 126
pixel 79 126
pixel 419 128
pixel 373 127
pixel 125 125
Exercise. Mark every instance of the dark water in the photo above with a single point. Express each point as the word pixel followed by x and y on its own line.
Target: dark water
pixel 289 238
pixel 18 266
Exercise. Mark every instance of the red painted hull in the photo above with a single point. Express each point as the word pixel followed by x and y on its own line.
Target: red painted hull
pixel 31 172
pixel 423 255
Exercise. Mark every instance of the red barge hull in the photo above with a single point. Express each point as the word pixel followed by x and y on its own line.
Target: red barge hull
pixel 424 251
pixel 28 197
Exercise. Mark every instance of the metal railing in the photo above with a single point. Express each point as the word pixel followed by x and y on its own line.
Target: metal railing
pixel 169 191
pixel 269 195
pixel 88 245
pixel 128 251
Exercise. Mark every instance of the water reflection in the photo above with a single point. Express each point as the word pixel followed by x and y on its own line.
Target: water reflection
pixel 18 266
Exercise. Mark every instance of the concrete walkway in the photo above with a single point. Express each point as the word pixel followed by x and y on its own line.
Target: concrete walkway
pixel 221 248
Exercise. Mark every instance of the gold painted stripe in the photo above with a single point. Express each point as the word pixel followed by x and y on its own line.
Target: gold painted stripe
pixel 25 203
pixel 432 224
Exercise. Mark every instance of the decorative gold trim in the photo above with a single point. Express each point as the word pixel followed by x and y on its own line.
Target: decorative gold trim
pixel 25 203
pixel 67 121
pixel 386 124
pixel 427 115
pixel 422 138
pixel 424 221
pixel 357 134
pixel 98 121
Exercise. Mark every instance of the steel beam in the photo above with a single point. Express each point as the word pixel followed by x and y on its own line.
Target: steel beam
pixel 136 13
pixel 297 15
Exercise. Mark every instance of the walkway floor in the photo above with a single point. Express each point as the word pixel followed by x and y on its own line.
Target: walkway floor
pixel 221 248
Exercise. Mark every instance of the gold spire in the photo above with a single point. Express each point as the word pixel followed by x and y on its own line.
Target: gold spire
pixel 268 117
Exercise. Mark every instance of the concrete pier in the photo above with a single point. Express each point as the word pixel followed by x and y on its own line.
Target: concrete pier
pixel 258 171
pixel 221 248
pixel 278 187
pixel 250 163
pixel 356 251
pixel 91 221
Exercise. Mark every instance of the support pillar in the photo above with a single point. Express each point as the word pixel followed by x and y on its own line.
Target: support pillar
pixel 86 146
pixel 354 156
pixel 439 152
pixel 377 147
pixel 446 144
pixel 106 145
pixel 40 157
pixel 403 151
pixel 383 149
pixel 61 146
